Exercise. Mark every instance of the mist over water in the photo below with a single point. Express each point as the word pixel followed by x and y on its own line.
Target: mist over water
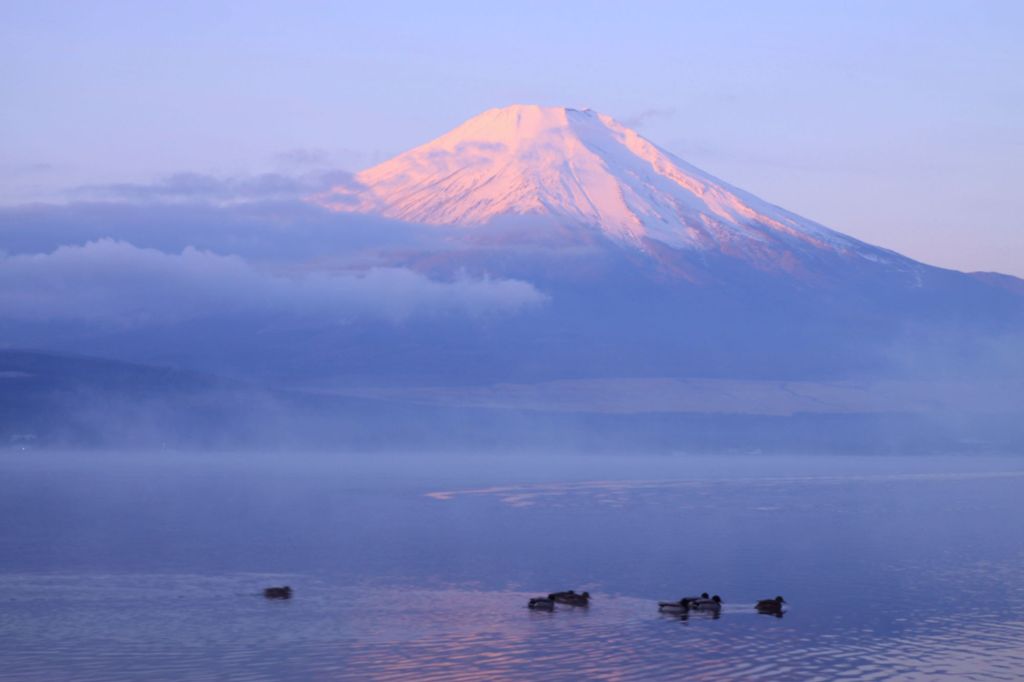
pixel 149 565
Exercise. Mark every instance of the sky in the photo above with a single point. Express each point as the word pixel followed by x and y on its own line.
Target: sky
pixel 900 123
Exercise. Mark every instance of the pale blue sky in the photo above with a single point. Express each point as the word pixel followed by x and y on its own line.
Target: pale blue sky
pixel 901 123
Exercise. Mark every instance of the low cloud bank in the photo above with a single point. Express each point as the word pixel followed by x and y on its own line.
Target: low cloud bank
pixel 264 231
pixel 204 188
pixel 113 282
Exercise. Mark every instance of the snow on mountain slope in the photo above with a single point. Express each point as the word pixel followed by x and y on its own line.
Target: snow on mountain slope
pixel 582 168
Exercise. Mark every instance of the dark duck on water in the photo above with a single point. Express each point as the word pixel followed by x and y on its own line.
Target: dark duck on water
pixel 278 592
pixel 772 607
pixel 714 604
pixel 680 606
pixel 570 598
pixel 542 604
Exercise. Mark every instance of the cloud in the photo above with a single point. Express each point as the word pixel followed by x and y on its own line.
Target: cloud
pixel 115 283
pixel 286 231
pixel 210 189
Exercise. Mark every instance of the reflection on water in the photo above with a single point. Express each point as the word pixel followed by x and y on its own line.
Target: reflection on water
pixel 155 573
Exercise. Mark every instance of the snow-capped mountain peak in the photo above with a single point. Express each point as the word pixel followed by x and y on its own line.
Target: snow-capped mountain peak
pixel 579 167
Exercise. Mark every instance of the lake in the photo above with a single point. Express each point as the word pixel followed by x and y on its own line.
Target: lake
pixel 150 566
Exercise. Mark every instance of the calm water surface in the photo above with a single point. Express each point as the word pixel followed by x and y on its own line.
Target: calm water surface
pixel 150 567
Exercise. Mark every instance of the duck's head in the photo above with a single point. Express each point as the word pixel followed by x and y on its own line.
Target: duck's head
pixel 585 595
pixel 704 595
pixel 780 600
pixel 716 599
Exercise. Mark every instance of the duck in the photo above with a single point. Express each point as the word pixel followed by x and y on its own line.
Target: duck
pixel 770 606
pixel 688 602
pixel 707 604
pixel 680 606
pixel 542 604
pixel 570 598
pixel 278 592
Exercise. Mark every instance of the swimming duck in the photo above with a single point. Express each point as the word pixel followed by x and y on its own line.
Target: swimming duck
pixel 542 604
pixel 278 592
pixel 562 595
pixel 570 598
pixel 706 604
pixel 680 606
pixel 770 606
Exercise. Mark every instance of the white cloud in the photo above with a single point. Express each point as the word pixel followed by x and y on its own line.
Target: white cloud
pixel 116 283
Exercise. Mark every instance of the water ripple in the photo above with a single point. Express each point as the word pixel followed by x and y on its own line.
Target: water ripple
pixel 187 627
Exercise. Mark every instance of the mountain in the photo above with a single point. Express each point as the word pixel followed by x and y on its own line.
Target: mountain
pixel 656 268
pixel 535 277
pixel 584 170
